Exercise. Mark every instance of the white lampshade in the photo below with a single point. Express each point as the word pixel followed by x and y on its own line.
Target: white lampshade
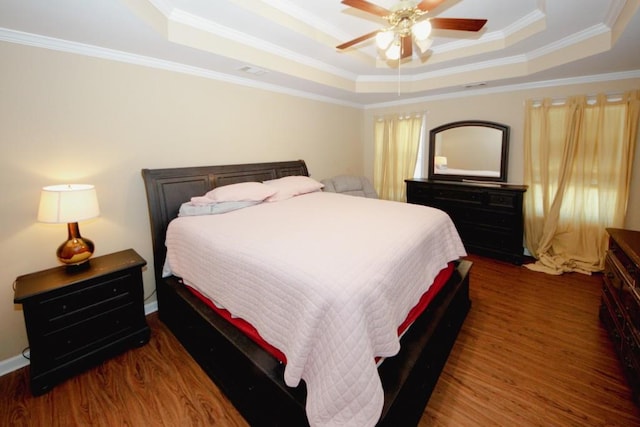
pixel 421 30
pixel 393 52
pixel 440 162
pixel 384 39
pixel 68 203
pixel 424 45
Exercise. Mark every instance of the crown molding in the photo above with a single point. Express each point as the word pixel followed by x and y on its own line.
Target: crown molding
pixel 34 40
pixel 596 78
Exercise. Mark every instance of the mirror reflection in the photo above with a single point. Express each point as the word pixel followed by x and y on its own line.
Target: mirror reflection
pixel 469 150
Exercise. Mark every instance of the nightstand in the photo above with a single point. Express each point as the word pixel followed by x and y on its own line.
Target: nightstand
pixel 78 319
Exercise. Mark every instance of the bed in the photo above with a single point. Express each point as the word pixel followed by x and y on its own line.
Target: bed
pixel 250 376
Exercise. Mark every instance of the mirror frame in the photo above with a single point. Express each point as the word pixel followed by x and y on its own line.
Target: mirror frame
pixel 504 155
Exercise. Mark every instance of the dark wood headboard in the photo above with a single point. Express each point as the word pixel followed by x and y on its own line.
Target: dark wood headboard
pixel 167 189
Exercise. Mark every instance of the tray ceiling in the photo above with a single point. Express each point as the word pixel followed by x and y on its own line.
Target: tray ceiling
pixel 290 46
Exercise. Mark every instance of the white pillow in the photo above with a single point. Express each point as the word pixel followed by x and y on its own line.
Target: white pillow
pixel 291 186
pixel 241 192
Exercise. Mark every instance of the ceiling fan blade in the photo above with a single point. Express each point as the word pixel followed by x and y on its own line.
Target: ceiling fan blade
pixel 458 24
pixel 368 7
pixel 428 5
pixel 357 40
pixel 406 48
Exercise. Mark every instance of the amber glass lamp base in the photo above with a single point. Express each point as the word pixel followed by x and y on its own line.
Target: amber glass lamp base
pixel 76 251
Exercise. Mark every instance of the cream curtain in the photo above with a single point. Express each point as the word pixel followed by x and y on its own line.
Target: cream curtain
pixel 578 159
pixel 397 140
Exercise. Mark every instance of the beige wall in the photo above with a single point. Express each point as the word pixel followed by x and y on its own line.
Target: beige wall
pixel 508 108
pixel 68 118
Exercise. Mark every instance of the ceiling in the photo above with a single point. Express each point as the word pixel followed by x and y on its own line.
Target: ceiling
pixel 289 46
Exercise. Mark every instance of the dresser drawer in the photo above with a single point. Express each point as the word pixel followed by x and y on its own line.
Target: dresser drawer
pixel 623 263
pixel 611 320
pixel 503 200
pixel 611 305
pixel 474 235
pixel 460 197
pixel 630 357
pixel 630 302
pixel 486 219
pixel 612 275
pixel 417 191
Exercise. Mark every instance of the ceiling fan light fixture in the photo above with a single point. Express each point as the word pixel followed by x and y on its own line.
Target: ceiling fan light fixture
pixel 393 53
pixel 384 39
pixel 408 24
pixel 421 30
pixel 424 45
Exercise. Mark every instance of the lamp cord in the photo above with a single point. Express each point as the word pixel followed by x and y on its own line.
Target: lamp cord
pixel 150 295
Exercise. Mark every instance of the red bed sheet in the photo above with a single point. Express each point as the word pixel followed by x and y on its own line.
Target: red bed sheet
pixel 252 333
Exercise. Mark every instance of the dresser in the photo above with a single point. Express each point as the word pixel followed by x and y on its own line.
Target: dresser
pixel 76 319
pixel 620 303
pixel 488 217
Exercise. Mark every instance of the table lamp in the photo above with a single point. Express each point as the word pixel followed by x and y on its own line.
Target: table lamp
pixel 440 162
pixel 70 203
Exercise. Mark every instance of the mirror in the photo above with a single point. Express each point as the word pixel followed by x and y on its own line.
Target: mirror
pixel 469 150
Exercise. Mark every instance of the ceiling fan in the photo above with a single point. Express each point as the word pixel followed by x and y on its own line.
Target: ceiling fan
pixel 408 23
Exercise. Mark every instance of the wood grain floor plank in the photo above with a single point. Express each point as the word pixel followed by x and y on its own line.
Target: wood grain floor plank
pixel 532 352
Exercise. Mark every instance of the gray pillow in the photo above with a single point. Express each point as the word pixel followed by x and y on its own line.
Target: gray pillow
pixel 189 209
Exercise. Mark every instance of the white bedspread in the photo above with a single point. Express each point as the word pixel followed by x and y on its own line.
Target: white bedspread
pixel 326 278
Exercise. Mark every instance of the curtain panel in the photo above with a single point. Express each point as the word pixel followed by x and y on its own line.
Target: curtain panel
pixel 397 140
pixel 578 160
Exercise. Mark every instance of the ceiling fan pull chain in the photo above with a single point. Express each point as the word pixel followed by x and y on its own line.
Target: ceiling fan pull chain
pixel 399 76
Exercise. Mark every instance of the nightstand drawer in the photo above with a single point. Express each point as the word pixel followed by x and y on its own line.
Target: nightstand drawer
pixel 79 338
pixel 63 310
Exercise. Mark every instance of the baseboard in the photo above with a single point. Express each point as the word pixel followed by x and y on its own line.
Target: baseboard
pixel 16 362
pixel 150 307
pixel 13 364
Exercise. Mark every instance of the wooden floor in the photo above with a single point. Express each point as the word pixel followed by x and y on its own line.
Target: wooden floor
pixel 531 353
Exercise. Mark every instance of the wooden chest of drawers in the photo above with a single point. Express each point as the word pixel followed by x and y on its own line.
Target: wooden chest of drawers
pixel 620 304
pixel 489 217
pixel 76 320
